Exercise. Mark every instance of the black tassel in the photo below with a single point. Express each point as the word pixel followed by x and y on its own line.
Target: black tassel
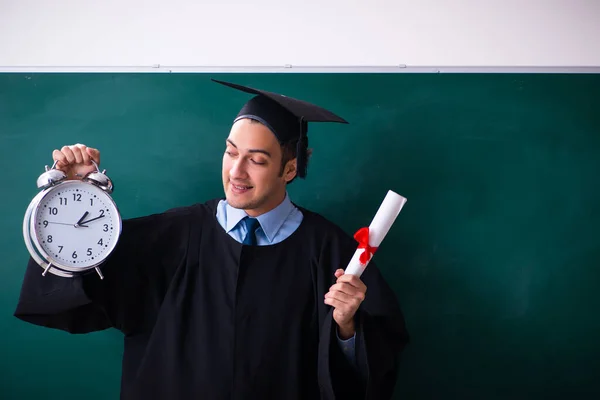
pixel 301 157
pixel 302 150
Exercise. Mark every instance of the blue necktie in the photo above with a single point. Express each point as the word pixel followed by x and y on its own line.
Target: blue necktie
pixel 251 226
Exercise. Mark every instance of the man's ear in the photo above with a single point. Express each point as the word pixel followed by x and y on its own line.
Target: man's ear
pixel 290 170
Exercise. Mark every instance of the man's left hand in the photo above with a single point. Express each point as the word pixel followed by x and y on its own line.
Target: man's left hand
pixel 346 295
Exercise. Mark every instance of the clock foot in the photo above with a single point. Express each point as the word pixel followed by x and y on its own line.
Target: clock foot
pixel 46 269
pixel 99 273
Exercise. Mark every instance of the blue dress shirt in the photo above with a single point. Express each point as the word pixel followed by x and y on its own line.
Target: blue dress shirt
pixel 275 226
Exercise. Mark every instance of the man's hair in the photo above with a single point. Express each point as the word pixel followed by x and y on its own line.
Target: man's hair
pixel 288 152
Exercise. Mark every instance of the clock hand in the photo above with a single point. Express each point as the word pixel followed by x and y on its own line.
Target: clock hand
pixel 59 223
pixel 90 220
pixel 78 223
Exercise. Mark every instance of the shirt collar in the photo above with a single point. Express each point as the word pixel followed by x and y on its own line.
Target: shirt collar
pixel 270 222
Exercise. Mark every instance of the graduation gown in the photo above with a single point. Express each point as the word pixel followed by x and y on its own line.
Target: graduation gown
pixel 205 317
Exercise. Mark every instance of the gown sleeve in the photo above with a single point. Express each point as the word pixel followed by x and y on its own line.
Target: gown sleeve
pixel 136 275
pixel 381 333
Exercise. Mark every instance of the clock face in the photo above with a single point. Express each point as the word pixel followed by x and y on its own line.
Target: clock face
pixel 77 225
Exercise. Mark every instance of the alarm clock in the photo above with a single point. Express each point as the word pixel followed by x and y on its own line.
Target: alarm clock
pixel 72 226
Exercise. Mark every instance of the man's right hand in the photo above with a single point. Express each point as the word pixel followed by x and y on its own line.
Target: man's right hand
pixel 76 160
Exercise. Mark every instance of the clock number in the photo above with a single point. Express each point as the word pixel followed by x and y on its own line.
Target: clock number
pixel 105 228
pixel 76 196
pixel 100 242
pixel 49 239
pixel 53 210
pixel 74 255
pixel 63 201
pixel 45 224
pixel 61 247
pixel 91 202
pixel 102 213
pixel 89 252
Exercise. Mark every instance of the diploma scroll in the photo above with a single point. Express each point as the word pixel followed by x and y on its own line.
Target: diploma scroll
pixel 370 238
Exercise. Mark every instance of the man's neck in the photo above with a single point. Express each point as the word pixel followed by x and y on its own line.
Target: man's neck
pixel 258 212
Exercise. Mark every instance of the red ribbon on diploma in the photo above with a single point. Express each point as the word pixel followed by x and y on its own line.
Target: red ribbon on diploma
pixel 362 237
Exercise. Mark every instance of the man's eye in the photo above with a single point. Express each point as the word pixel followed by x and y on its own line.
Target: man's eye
pixel 258 162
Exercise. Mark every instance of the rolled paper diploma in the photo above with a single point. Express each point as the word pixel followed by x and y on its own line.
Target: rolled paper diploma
pixel 370 238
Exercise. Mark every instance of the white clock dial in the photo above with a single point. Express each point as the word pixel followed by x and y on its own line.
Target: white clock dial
pixel 77 225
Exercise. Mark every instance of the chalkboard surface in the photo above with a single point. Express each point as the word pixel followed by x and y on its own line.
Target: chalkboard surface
pixel 494 258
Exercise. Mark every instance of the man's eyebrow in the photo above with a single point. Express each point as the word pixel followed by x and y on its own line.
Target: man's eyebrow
pixel 260 151
pixel 251 150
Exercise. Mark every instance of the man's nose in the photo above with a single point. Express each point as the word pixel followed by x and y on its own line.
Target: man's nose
pixel 238 169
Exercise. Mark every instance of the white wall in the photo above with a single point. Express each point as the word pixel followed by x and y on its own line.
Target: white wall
pixel 267 34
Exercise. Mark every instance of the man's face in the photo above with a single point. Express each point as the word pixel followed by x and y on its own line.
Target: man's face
pixel 251 168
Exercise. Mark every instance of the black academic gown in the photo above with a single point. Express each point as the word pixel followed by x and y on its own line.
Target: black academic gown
pixel 205 317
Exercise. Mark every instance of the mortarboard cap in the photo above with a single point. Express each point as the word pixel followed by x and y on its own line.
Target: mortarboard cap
pixel 285 116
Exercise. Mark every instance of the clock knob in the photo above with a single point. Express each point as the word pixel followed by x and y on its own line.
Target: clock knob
pixel 51 177
pixel 99 179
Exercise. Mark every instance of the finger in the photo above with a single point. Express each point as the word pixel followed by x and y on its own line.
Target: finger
pixel 341 307
pixel 342 287
pixel 340 296
pixel 85 157
pixel 77 153
pixel 345 288
pixel 94 154
pixel 66 150
pixel 339 273
pixel 61 159
pixel 353 280
pixel 350 278
pixel 354 298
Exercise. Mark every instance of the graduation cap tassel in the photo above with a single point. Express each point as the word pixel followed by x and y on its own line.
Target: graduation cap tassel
pixel 302 150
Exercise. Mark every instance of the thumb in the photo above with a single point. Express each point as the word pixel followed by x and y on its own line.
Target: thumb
pixel 339 273
pixel 94 154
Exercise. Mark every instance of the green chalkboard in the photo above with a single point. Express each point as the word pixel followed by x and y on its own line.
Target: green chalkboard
pixel 495 258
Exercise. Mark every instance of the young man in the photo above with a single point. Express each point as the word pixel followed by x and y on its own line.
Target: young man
pixel 237 298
